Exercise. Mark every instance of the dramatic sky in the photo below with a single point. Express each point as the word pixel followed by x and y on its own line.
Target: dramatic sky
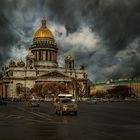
pixel 102 35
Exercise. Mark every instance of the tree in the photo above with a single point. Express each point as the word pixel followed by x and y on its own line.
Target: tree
pixel 25 93
pixel 37 89
pixel 120 91
pixel 100 94
pixel 49 89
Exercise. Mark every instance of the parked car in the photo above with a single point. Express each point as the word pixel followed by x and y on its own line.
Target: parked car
pixel 3 102
pixel 66 105
pixel 48 99
pixel 16 99
pixel 128 99
pixel 33 104
pixel 91 101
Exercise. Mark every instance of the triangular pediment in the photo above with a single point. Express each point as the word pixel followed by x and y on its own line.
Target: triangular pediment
pixel 55 74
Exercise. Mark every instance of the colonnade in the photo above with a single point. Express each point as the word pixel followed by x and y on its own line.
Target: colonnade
pixel 45 55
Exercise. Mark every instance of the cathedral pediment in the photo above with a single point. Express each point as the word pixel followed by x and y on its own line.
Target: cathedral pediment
pixel 54 74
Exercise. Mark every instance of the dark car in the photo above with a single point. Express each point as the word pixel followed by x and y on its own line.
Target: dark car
pixel 33 104
pixel 91 101
pixel 3 102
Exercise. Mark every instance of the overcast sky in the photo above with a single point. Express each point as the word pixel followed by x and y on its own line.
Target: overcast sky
pixel 102 35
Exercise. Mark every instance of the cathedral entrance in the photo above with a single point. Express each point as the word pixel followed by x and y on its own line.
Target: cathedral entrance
pixel 50 89
pixel 52 84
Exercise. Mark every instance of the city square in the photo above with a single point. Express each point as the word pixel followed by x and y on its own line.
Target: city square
pixel 103 121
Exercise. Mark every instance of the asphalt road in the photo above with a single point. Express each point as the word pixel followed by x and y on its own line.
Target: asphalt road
pixel 113 121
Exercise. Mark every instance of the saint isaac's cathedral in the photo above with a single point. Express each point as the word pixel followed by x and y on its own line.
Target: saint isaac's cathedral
pixel 41 66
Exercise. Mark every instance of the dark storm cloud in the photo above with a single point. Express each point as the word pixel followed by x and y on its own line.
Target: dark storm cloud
pixel 115 23
pixel 7 37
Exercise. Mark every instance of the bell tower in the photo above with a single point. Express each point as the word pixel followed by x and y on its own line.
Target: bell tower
pixel 30 60
pixel 69 62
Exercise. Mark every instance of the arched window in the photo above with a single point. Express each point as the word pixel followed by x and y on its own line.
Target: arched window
pixel 18 88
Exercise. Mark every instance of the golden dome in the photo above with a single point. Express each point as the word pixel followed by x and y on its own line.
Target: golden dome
pixel 30 54
pixel 43 31
pixel 69 56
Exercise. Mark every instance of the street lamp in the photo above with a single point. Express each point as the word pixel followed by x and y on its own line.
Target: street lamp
pixel 74 84
pixel 130 85
pixel 2 86
pixel 137 87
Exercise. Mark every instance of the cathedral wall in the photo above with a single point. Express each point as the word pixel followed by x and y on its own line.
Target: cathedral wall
pixel 43 72
pixel 23 73
pixel 30 83
pixel 79 76
pixel 45 63
pixel 30 73
pixel 19 73
pixel 15 82
pixel 9 90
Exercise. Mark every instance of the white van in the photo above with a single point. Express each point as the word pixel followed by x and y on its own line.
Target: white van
pixel 65 96
pixel 62 96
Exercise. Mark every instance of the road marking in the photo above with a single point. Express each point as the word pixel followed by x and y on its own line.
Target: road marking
pixel 38 114
pixel 47 115
pixel 20 108
pixel 15 116
pixel 33 120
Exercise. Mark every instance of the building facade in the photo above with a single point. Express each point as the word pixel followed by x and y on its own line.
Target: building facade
pixel 42 66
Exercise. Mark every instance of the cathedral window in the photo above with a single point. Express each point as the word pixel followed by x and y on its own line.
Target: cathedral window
pixel 39 55
pixel 11 73
pixel 70 66
pixel 46 55
pixel 50 55
pixel 19 88
pixel 36 55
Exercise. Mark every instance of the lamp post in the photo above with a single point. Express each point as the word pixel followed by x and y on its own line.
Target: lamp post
pixel 137 87
pixel 74 84
pixel 76 87
pixel 2 80
pixel 25 81
pixel 2 87
pixel 130 85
